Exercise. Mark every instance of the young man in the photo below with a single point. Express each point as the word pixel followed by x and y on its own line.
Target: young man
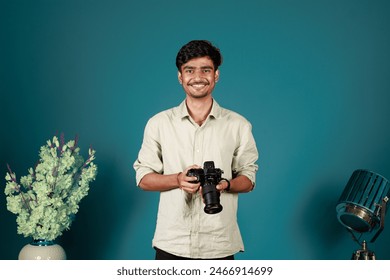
pixel 183 138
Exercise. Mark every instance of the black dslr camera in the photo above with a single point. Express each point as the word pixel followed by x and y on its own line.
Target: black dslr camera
pixel 208 177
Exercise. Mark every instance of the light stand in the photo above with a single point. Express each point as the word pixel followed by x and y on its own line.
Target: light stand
pixel 363 253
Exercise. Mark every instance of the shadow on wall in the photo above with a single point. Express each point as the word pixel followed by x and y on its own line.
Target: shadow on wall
pixel 100 214
pixel 12 242
pixel 323 235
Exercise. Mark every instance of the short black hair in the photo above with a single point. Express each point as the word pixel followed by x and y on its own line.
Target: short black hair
pixel 198 48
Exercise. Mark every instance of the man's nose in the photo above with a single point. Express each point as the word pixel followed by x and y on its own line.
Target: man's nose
pixel 199 74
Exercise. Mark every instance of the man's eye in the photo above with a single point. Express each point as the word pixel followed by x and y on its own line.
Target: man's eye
pixel 189 71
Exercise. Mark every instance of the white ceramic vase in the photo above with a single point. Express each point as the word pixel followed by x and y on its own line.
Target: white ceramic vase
pixel 42 250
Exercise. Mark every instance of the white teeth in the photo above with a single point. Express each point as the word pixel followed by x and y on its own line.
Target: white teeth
pixel 198 85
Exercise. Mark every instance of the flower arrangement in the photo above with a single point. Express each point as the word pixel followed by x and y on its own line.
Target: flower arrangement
pixel 46 200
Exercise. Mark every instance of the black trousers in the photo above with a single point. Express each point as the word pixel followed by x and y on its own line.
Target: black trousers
pixel 162 255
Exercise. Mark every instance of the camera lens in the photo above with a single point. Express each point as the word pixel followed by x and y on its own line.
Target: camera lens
pixel 213 208
pixel 211 199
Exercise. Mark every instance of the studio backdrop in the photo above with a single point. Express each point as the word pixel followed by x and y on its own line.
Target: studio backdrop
pixel 312 77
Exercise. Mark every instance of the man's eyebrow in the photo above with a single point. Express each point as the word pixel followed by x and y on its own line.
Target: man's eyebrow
pixel 193 67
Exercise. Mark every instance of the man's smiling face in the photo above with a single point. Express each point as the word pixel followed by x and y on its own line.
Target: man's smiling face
pixel 198 77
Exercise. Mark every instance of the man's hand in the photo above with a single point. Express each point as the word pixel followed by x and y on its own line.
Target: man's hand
pixel 222 186
pixel 184 182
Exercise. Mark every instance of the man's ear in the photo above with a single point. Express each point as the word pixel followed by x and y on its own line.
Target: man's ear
pixel 179 77
pixel 216 76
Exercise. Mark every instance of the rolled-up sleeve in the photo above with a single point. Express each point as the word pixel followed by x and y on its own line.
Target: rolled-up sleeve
pixel 149 157
pixel 246 155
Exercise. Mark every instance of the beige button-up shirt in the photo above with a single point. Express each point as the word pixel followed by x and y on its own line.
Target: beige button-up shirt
pixel 172 142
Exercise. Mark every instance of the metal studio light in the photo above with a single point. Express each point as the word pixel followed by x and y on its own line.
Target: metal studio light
pixel 362 208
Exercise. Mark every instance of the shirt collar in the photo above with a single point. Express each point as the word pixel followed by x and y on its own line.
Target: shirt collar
pixel 215 112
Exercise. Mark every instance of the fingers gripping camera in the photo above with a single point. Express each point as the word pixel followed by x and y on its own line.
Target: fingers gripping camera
pixel 209 177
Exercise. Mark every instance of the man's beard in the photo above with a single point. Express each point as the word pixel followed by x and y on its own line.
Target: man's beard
pixel 198 96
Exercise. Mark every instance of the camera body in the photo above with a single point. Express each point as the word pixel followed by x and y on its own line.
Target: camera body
pixel 208 177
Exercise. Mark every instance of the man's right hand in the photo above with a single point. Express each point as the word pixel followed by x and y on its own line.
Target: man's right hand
pixel 186 183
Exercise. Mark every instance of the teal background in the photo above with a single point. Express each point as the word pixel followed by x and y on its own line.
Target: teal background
pixel 313 77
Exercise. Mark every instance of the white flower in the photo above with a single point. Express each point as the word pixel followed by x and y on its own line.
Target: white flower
pixel 47 198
